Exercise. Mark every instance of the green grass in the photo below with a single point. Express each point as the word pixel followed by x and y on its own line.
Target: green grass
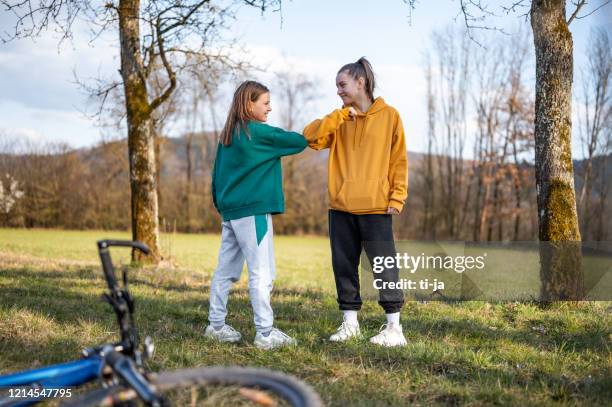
pixel 467 353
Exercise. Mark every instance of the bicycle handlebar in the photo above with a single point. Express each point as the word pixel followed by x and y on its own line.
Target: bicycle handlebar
pixel 107 264
pixel 102 244
pixel 120 298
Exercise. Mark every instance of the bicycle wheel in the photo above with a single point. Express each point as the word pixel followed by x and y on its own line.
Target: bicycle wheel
pixel 192 387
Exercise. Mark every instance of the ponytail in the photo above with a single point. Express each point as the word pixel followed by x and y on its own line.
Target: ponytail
pixel 362 69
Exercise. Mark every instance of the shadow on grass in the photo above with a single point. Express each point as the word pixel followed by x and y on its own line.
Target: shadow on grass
pixel 135 276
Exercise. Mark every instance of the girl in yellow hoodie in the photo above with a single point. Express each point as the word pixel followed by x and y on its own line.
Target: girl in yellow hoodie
pixel 367 181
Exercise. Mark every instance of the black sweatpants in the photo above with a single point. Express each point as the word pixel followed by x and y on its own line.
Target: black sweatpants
pixel 348 234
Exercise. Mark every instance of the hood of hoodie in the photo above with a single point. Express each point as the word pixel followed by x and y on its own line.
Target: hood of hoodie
pixel 377 105
pixel 362 118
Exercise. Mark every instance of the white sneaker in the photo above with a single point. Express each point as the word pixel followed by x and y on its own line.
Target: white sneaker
pixel 275 339
pixel 391 335
pixel 225 334
pixel 345 332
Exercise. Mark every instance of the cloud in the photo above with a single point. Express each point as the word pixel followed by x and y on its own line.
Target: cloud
pixel 22 133
pixel 40 99
pixel 46 125
pixel 39 73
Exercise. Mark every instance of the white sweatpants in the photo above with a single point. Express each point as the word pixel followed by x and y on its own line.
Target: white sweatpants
pixel 250 239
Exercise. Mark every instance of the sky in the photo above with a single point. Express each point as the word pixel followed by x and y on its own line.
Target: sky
pixel 40 100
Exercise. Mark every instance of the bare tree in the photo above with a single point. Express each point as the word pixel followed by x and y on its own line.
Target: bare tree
pixel 427 187
pixel 490 70
pixel 296 91
pixel 594 122
pixel 453 67
pixel 202 82
pixel 501 110
pixel 519 109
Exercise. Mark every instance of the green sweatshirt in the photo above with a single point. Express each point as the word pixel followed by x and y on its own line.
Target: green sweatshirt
pixel 247 176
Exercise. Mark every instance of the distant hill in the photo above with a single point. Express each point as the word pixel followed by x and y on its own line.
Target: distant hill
pixel 174 156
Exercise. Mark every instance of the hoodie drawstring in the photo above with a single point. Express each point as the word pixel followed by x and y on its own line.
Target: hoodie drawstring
pixel 365 120
pixel 359 131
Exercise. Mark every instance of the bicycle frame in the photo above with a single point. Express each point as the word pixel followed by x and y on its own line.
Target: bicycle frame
pixel 69 374
pixel 66 374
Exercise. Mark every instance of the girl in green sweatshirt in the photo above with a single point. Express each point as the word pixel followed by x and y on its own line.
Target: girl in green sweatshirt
pixel 247 190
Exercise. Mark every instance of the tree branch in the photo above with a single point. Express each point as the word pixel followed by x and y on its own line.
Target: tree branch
pixel 578 5
pixel 183 19
pixel 171 74
pixel 469 19
pixel 588 14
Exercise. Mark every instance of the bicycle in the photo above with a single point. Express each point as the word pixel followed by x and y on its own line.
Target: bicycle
pixel 125 380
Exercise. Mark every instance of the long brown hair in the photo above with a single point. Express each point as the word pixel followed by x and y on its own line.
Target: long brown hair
pixel 362 69
pixel 248 91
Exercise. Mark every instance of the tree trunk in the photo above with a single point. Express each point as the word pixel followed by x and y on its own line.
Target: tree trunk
pixel 157 142
pixel 602 214
pixel 141 145
pixel 429 227
pixel 479 187
pixel 500 177
pixel 188 181
pixel 560 251
pixel 516 182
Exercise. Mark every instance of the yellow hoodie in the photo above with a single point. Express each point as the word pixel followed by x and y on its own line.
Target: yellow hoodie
pixel 368 165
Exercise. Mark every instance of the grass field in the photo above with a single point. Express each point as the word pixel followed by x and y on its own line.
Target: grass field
pixel 468 353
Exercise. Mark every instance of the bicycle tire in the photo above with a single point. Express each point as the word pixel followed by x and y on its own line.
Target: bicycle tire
pixel 292 390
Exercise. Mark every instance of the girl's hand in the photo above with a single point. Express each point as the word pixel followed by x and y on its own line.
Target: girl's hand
pixel 392 211
pixel 352 113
